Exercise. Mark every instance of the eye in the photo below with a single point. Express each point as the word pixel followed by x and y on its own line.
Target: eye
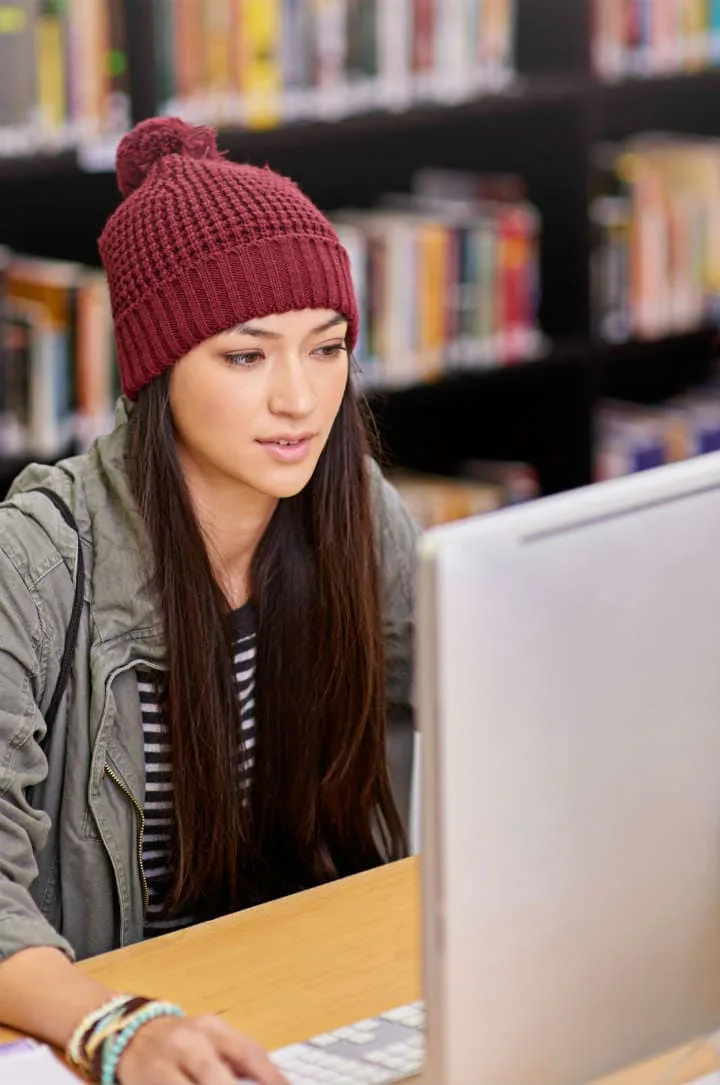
pixel 243 359
pixel 331 350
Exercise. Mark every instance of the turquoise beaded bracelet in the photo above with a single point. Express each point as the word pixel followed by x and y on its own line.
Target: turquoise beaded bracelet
pixel 115 1046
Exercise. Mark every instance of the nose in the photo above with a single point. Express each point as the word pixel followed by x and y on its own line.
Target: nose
pixel 291 391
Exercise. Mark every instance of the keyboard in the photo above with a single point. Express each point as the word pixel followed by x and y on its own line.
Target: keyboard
pixel 377 1051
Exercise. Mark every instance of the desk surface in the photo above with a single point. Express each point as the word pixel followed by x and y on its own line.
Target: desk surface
pixel 313 962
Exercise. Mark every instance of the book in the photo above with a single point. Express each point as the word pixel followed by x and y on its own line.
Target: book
pixel 217 22
pixel 118 111
pixel 656 237
pixel 639 38
pixel 165 77
pixel 17 73
pixel 634 437
pixel 58 377
pixel 50 67
pixel 363 54
pixel 261 63
pixel 432 500
pixel 260 73
pixel 296 32
pixel 481 486
pixel 64 77
pixel 450 278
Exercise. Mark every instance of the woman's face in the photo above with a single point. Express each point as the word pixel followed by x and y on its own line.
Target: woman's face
pixel 256 404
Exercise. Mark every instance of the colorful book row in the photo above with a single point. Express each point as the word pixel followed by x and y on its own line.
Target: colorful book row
pixel 636 38
pixel 631 438
pixel 262 63
pixel 447 278
pixel 656 225
pixel 481 487
pixel 58 378
pixel 63 75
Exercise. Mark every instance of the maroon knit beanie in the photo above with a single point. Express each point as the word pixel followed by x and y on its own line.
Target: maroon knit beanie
pixel 200 244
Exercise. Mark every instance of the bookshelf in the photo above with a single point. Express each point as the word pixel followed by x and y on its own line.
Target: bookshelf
pixel 543 126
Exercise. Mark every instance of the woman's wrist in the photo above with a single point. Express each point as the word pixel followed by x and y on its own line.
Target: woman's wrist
pixel 100 1039
pixel 114 1047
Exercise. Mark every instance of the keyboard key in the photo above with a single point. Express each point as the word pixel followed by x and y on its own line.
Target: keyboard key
pixel 326 1039
pixel 374 1051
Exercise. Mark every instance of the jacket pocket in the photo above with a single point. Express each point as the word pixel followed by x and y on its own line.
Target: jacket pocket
pixel 88 828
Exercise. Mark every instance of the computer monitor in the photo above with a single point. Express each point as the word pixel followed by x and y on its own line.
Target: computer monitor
pixel 568 695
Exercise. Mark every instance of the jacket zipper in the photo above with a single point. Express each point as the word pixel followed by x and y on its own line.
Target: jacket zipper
pixel 141 828
pixel 112 775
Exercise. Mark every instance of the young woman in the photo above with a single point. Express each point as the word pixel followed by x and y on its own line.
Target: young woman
pixel 237 723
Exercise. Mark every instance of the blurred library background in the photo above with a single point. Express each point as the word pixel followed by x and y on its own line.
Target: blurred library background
pixel 529 191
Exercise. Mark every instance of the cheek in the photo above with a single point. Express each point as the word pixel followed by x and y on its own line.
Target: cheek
pixel 331 389
pixel 209 408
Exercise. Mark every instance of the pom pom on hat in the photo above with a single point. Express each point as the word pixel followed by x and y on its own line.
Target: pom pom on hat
pixel 157 138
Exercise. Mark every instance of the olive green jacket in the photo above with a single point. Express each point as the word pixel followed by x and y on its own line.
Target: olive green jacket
pixel 71 816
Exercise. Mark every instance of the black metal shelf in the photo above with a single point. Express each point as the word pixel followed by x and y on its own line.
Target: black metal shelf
pixel 41 165
pixel 543 126
pixel 522 97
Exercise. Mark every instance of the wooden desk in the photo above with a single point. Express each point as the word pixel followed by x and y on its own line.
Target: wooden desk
pixel 313 962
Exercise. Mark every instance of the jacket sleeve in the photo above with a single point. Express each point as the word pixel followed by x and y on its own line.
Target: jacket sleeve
pixel 24 650
pixel 398 536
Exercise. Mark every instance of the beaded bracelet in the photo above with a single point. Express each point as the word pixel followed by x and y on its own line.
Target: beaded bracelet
pixel 75 1048
pixel 115 1046
pixel 94 1044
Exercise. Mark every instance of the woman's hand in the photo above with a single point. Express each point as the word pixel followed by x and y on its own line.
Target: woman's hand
pixel 194 1051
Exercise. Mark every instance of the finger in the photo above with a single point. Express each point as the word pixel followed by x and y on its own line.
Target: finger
pixel 202 1060
pixel 245 1056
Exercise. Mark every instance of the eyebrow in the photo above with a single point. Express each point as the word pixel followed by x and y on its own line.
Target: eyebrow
pixel 263 333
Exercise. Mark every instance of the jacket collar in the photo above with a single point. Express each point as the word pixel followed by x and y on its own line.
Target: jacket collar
pixel 124 602
pixel 119 588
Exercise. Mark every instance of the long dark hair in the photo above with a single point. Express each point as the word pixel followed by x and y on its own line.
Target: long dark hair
pixel 321 803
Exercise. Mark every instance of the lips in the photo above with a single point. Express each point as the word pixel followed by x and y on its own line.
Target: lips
pixel 286 439
pixel 287 448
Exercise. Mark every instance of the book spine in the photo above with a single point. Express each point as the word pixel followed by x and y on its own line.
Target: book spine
pixel 453 60
pixel 695 36
pixel 432 300
pixel 329 68
pixel 423 36
pixel 468 274
pixel 217 58
pixel 498 32
pixel 452 296
pixel 261 66
pixel 165 82
pixel 362 55
pixel 91 83
pixel 50 30
pixel 664 36
pixel 394 52
pixel 189 58
pixel 118 114
pixel 487 294
pixel 17 341
pixel 600 42
pixel 714 32
pixel 17 69
pixel 379 315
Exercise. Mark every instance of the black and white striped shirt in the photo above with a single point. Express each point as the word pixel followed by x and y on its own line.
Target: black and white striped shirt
pixel 158 774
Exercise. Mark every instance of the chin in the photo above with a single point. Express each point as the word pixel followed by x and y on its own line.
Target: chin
pixel 284 483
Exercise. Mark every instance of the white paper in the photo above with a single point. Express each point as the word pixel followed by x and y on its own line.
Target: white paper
pixel 27 1064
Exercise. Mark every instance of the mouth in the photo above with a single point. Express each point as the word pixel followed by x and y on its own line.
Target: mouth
pixel 288 449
